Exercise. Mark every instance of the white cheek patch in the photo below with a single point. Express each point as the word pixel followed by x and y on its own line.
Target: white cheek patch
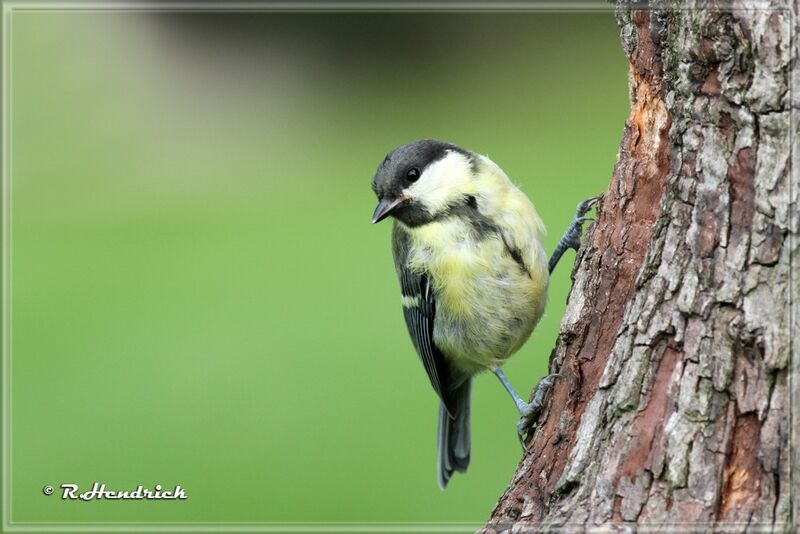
pixel 443 182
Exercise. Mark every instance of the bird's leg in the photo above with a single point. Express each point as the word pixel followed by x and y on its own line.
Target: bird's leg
pixel 521 404
pixel 528 411
pixel 572 237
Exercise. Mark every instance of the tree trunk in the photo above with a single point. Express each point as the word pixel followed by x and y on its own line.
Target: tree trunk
pixel 674 351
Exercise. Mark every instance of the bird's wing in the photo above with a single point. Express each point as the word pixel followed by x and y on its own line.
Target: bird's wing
pixel 419 310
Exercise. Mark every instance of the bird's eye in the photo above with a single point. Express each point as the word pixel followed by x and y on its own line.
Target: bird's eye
pixel 413 174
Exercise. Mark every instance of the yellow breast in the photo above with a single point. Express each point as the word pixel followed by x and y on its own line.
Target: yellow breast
pixel 486 303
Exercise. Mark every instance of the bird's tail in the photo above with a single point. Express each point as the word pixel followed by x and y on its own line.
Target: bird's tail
pixel 454 441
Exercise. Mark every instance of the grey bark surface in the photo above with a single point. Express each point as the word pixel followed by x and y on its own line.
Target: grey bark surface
pixel 675 349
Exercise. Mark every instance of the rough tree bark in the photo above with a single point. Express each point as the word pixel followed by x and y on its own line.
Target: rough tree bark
pixel 673 409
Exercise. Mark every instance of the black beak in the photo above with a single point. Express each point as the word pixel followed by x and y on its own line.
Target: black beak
pixel 385 208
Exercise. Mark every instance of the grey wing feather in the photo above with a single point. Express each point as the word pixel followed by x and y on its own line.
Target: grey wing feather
pixel 420 321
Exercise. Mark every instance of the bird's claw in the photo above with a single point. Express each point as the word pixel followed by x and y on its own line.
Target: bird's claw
pixel 526 420
pixel 529 414
pixel 585 206
pixel 573 233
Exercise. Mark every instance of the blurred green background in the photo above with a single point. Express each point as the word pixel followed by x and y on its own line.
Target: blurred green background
pixel 198 295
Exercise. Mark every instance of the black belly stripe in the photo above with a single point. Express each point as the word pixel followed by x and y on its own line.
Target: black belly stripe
pixel 484 228
pixel 516 255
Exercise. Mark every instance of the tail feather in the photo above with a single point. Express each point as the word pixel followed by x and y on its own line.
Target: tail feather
pixel 454 439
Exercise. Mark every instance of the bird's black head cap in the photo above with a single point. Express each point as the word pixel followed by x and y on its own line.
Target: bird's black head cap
pixel 399 170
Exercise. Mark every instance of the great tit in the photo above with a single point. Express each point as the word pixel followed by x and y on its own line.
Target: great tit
pixel 473 275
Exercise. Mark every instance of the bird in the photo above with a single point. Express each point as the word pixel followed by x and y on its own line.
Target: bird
pixel 473 273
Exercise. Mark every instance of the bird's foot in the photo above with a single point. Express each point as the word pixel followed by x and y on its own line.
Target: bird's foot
pixel 529 412
pixel 572 237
